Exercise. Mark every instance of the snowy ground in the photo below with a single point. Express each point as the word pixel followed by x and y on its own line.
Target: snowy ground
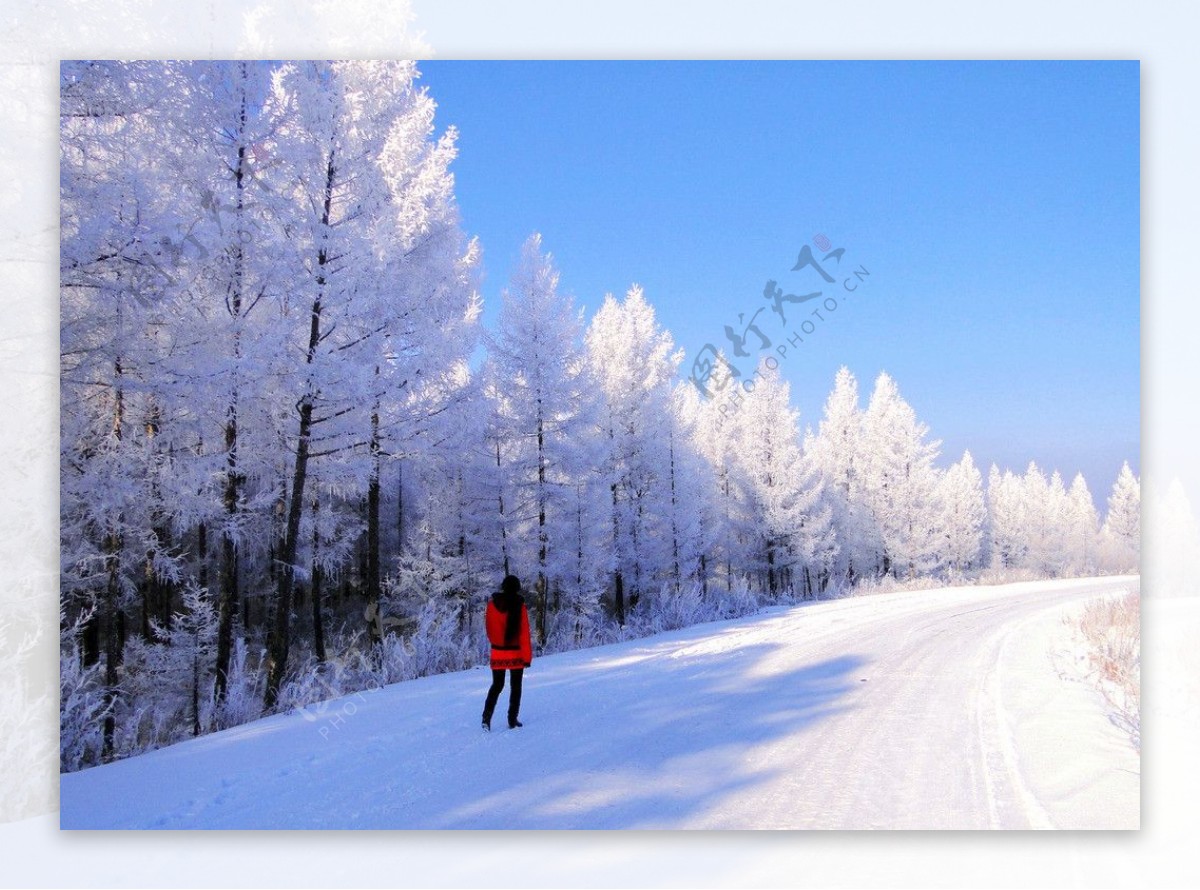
pixel 930 709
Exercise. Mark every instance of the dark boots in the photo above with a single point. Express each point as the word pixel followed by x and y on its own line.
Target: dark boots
pixel 514 698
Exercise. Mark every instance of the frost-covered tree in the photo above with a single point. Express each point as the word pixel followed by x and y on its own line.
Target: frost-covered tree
pixel 237 226
pixel 547 418
pixel 793 538
pixel 1082 528
pixel 694 517
pixel 82 701
pixel 1121 534
pixel 633 361
pixel 127 270
pixel 1036 524
pixel 452 553
pixel 900 483
pixel 381 289
pixel 726 513
pixel 963 515
pixel 1045 503
pixel 1008 542
pixel 424 326
pixel 836 451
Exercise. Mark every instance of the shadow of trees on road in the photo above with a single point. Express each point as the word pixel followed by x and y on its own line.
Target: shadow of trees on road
pixel 641 745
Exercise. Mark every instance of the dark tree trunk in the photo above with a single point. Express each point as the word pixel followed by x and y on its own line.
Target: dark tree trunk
pixel 318 577
pixel 728 541
pixel 202 552
pixel 113 642
pixel 196 689
pixel 90 639
pixel 542 540
pixel 156 591
pixel 373 574
pixel 618 581
pixel 674 513
pixel 279 641
pixel 636 593
pixel 227 602
pixel 227 607
pixel 503 528
pixel 619 597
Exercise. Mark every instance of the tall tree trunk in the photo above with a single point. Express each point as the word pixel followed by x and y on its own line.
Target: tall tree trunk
pixel 542 541
pixel 636 525
pixel 90 639
pixel 113 642
pixel 155 591
pixel 503 525
pixel 279 641
pixel 227 602
pixel 202 554
pixel 196 688
pixel 399 506
pixel 618 580
pixel 674 511
pixel 373 579
pixel 728 535
pixel 318 577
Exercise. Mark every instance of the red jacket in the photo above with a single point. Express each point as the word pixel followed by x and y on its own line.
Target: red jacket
pixel 508 655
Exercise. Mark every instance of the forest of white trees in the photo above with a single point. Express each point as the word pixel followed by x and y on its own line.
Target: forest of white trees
pixel 294 464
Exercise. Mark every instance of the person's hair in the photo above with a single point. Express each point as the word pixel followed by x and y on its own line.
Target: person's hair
pixel 510 592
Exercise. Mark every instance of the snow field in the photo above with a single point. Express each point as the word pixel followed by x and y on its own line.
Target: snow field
pixel 927 709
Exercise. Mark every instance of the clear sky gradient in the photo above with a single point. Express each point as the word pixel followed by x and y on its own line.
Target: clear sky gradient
pixel 995 204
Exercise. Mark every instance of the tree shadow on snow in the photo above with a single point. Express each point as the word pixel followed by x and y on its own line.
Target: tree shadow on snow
pixel 659 739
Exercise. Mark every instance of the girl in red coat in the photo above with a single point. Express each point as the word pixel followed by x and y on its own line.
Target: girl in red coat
pixel 508 631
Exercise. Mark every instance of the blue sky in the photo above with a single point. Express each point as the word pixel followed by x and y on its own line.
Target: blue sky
pixel 995 204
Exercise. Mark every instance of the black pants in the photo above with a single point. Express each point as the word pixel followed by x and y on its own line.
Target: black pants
pixel 514 695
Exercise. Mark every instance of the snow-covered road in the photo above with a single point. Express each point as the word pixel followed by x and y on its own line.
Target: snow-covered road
pixel 930 709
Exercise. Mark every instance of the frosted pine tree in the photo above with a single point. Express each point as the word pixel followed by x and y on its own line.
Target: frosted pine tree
pixel 1008 540
pixel 1083 528
pixel 836 452
pixel 793 535
pixel 239 223
pixel 1122 530
pixel 900 483
pixel 963 516
pixel 634 361
pixel 380 302
pixel 126 273
pixel 695 512
pixel 546 417
pixel 727 516
pixel 1047 521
